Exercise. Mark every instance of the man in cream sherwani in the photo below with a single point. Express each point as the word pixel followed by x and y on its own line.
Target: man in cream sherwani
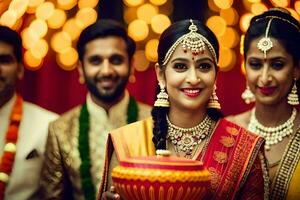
pixel 22 182
pixel 75 150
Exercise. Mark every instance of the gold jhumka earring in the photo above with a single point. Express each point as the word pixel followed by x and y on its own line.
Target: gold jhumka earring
pixel 265 43
pixel 162 98
pixel 248 96
pixel 293 96
pixel 214 100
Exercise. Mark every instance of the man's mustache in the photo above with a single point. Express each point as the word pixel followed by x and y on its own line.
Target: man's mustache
pixel 106 78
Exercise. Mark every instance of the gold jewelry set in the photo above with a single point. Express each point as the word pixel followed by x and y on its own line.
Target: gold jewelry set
pixel 195 42
pixel 186 140
pixel 272 135
pixel 265 44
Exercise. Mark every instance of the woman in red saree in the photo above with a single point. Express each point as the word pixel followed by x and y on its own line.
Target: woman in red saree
pixel 186 120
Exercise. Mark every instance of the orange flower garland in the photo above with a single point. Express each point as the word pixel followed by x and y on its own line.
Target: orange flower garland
pixel 8 157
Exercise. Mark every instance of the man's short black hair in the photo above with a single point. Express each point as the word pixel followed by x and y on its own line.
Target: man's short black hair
pixel 13 38
pixel 101 29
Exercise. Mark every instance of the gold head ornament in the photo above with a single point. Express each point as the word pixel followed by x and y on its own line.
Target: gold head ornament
pixel 193 41
pixel 265 43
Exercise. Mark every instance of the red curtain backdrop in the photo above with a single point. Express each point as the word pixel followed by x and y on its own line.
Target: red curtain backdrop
pixel 58 90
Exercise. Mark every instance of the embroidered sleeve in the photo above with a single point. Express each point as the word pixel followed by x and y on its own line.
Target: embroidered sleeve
pixel 253 187
pixel 51 182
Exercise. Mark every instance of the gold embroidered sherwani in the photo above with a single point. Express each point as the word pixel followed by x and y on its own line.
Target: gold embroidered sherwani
pixel 61 174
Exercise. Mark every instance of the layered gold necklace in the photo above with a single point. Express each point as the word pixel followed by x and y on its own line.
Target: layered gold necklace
pixel 185 140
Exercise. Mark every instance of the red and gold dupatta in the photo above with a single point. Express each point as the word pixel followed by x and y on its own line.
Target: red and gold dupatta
pixel 229 155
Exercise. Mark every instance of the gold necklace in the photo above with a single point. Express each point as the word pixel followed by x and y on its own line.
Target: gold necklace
pixel 185 140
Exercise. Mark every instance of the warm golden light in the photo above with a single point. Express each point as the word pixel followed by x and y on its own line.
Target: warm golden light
pixel 61 41
pixel 167 8
pixel 140 61
pixel 17 26
pixel 19 6
pixel 151 50
pixel 133 3
pixel 242 44
pixel 86 16
pixel 73 28
pixel 230 39
pixel 223 4
pixel 87 3
pixel 39 27
pixel 280 3
pixel 146 12
pixel 217 24
pixel 254 1
pixel 138 30
pixel 67 59
pixel 4 6
pixel 158 2
pixel 45 10
pixel 230 15
pixel 32 62
pixel 57 19
pixel 66 4
pixel 212 6
pixel 29 38
pixel 159 23
pixel 227 59
pixel 243 68
pixel 130 14
pixel 35 3
pixel 297 7
pixel 30 10
pixel 258 8
pixel 8 18
pixel 294 13
pixel 247 5
pixel 39 49
pixel 245 21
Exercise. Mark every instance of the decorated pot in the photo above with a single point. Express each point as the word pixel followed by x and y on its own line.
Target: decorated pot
pixel 161 178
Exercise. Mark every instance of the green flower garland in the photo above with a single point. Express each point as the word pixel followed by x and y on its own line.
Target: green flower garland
pixel 84 148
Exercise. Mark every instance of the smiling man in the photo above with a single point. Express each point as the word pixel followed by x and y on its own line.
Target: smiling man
pixel 76 144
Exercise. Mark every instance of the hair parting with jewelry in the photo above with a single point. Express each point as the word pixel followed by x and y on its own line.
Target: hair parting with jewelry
pixel 276 23
pixel 182 32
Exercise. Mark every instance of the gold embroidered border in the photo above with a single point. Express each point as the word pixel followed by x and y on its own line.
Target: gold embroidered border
pixel 220 157
pixel 152 175
pixel 227 141
pixel 237 164
pixel 264 169
pixel 287 167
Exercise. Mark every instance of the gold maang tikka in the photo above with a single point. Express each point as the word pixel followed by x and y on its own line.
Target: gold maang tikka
pixel 265 43
pixel 193 41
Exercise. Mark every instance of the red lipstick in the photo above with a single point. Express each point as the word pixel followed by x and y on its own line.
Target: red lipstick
pixel 267 90
pixel 190 92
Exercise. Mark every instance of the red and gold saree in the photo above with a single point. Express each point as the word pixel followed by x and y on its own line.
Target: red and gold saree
pixel 233 156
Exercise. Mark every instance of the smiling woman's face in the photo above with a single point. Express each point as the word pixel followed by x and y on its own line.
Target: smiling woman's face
pixel 189 79
pixel 270 79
